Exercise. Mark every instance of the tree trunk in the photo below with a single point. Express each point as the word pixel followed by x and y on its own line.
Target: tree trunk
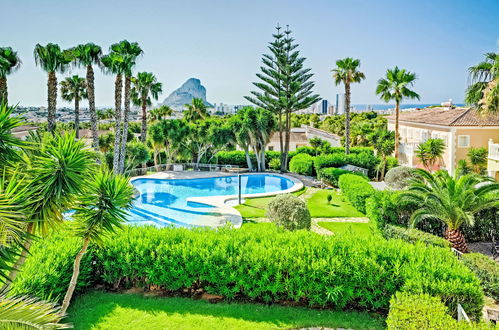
pixel 287 137
pixel 20 261
pixel 52 100
pixel 383 168
pixel 262 161
pixel 118 86
pixel 347 118
pixel 77 116
pixel 126 114
pixel 3 90
pixel 143 129
pixel 74 278
pixel 397 111
pixel 248 159
pixel 91 107
pixel 281 143
pixel 258 160
pixel 456 237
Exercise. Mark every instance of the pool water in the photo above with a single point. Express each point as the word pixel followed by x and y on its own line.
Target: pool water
pixel 163 202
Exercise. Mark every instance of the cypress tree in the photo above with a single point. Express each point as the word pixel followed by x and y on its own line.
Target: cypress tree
pixel 285 86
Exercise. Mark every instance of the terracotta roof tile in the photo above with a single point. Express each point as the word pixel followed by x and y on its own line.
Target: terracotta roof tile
pixel 448 117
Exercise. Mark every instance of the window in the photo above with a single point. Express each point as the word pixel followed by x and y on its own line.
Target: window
pixel 463 141
pixel 271 148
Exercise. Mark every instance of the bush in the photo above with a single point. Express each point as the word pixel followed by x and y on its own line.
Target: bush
pixel 486 224
pixel 302 164
pixel 49 266
pixel 382 208
pixel 330 175
pixel 236 157
pixel 419 311
pixel 356 189
pixel 413 235
pixel 275 164
pixel 289 212
pixel 260 263
pixel 398 177
pixel 363 159
pixel 487 271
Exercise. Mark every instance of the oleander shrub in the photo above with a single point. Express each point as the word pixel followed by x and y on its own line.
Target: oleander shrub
pixel 398 177
pixel 419 311
pixel 486 224
pixel 486 270
pixel 49 266
pixel 356 189
pixel 302 164
pixel 331 175
pixel 275 164
pixel 261 263
pixel 289 212
pixel 413 235
pixel 382 208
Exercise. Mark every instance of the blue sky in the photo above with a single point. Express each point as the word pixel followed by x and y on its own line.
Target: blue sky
pixel 221 42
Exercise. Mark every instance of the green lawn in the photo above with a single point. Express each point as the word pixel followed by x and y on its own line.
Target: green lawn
pixel 338 207
pixel 255 207
pixel 359 228
pixel 100 310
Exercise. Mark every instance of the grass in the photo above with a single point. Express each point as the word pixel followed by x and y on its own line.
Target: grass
pixel 101 310
pixel 359 228
pixel 319 207
pixel 255 207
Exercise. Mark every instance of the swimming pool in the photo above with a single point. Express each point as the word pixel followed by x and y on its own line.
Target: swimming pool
pixel 164 202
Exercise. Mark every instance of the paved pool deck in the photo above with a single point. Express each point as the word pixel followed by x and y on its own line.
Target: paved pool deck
pixel 228 214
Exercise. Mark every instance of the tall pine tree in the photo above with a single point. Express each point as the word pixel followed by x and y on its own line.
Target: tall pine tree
pixel 285 86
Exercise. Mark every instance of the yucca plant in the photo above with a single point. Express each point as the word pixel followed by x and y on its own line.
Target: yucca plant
pixel 454 200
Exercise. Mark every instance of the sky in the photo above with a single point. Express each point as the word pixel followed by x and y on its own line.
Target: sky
pixel 221 42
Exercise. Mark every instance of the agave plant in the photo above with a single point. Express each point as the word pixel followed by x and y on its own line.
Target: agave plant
pixel 454 200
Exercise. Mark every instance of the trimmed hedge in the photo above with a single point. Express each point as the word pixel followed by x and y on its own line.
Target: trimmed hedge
pixel 331 175
pixel 238 157
pixel 356 189
pixel 364 159
pixel 264 263
pixel 302 164
pixel 413 235
pixel 487 271
pixel 289 212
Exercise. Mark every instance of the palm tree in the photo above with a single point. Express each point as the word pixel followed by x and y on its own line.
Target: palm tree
pixel 102 210
pixel 395 86
pixel 56 175
pixel 384 143
pixel 430 151
pixel 478 159
pixel 483 90
pixel 113 63
pixel 51 59
pixel 86 55
pixel 74 89
pixel 160 113
pixel 454 200
pixel 346 72
pixel 145 88
pixel 9 63
pixel 196 110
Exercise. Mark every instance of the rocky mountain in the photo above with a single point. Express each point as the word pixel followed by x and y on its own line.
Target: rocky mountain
pixel 192 88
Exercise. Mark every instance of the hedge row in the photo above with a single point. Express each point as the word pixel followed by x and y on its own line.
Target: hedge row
pixel 413 235
pixel 356 189
pixel 238 157
pixel 331 175
pixel 302 164
pixel 331 150
pixel 260 263
pixel 487 271
pixel 364 159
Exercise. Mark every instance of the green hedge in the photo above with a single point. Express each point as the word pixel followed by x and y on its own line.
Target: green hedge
pixel 238 157
pixel 356 189
pixel 487 271
pixel 413 235
pixel 302 164
pixel 263 263
pixel 331 175
pixel 419 311
pixel 364 159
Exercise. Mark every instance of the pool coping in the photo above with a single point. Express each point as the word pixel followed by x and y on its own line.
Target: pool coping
pixel 219 202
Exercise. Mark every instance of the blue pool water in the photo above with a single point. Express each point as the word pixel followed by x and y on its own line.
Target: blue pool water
pixel 163 202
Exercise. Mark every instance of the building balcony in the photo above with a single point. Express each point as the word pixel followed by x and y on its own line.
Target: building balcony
pixel 493 150
pixel 493 159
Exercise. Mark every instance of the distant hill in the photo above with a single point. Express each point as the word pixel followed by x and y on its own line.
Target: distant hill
pixel 192 88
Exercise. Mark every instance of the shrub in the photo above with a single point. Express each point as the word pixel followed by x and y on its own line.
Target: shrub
pixel 487 271
pixel 363 159
pixel 305 150
pixel 235 157
pixel 331 160
pixel 289 212
pixel 418 311
pixel 382 208
pixel 356 189
pixel 413 235
pixel 302 164
pixel 486 224
pixel 261 263
pixel 49 266
pixel 275 164
pixel 330 175
pixel 398 177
